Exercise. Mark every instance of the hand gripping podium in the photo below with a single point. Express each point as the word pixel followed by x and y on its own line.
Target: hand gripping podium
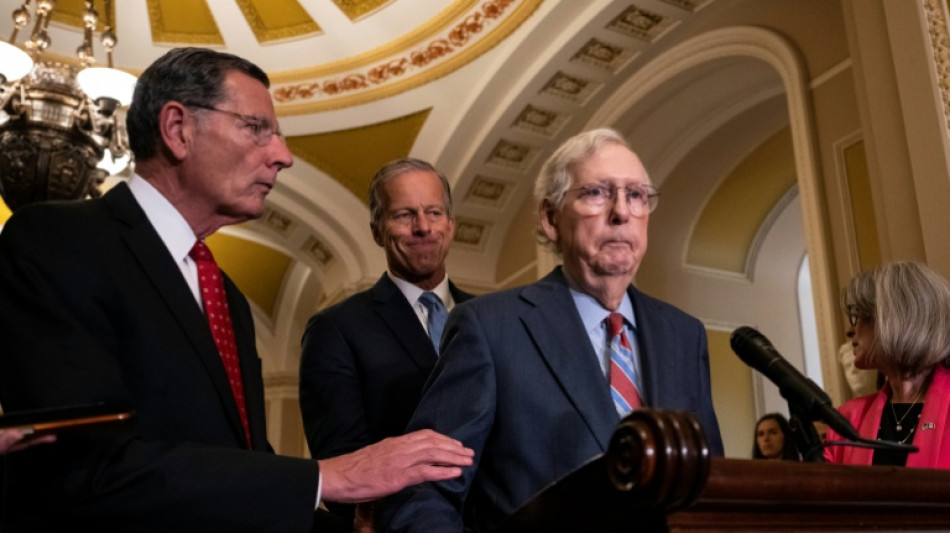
pixel 658 476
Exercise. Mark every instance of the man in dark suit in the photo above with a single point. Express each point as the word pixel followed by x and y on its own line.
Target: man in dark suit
pixel 364 360
pixel 536 379
pixel 109 300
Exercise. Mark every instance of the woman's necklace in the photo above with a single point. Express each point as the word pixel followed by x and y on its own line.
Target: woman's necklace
pixel 898 427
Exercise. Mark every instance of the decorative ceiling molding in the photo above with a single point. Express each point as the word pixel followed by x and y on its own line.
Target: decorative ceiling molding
pixel 490 192
pixel 471 234
pixel 413 38
pixel 641 24
pixel 273 21
pixel 937 26
pixel 318 250
pixel 540 121
pixel 688 5
pixel 574 89
pixel 172 24
pixel 470 36
pixel 357 9
pixel 70 12
pixel 512 156
pixel 604 55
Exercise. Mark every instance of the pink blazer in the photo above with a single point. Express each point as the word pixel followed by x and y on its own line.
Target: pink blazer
pixel 932 436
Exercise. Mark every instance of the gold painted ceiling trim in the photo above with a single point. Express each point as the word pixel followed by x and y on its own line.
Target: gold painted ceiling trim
pixel 437 58
pixel 197 12
pixel 357 9
pixel 70 12
pixel 255 16
pixel 431 28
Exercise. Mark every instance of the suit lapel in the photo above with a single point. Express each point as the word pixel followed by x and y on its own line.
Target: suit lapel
pixel 558 332
pixel 650 336
pixel 251 372
pixel 396 312
pixel 152 256
pixel 458 294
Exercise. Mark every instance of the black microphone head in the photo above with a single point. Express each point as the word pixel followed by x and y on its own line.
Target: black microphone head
pixel 751 346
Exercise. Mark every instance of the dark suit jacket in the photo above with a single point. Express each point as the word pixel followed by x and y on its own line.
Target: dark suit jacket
pixel 518 381
pixel 93 308
pixel 363 365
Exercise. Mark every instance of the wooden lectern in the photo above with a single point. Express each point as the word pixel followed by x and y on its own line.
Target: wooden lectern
pixel 658 476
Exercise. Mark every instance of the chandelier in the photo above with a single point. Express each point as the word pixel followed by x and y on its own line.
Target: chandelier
pixel 61 126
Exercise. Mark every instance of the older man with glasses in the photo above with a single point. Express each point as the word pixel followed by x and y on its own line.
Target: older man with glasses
pixel 536 379
pixel 118 300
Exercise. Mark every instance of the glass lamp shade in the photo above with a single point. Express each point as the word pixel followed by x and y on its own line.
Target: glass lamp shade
pixel 14 63
pixel 103 82
pixel 113 165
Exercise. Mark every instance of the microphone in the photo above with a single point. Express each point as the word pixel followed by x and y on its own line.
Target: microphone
pixel 757 352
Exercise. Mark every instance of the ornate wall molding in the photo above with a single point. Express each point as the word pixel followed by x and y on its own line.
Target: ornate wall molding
pixel 466 37
pixel 937 27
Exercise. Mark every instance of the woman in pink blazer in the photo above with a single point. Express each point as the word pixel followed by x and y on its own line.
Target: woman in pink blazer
pixel 900 326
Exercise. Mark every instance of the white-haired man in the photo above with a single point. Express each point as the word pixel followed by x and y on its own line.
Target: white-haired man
pixel 535 379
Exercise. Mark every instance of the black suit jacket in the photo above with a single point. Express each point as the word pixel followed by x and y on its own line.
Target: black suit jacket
pixel 93 308
pixel 518 382
pixel 362 368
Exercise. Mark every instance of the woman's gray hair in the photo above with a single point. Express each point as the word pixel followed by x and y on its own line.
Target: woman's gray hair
pixel 555 178
pixel 909 305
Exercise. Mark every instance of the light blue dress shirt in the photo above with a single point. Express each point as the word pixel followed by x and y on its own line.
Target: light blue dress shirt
pixel 593 315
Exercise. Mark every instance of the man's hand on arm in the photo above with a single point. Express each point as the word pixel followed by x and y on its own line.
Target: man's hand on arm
pixel 12 440
pixel 392 464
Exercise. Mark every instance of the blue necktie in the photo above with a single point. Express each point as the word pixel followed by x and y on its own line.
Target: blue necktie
pixel 437 315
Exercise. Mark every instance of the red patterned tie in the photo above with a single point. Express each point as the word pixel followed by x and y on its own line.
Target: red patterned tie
pixel 219 320
pixel 622 388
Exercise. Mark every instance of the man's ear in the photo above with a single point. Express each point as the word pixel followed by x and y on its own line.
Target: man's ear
pixel 175 129
pixel 548 216
pixel 377 236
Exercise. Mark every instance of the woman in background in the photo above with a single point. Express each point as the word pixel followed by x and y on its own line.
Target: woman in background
pixel 900 326
pixel 773 439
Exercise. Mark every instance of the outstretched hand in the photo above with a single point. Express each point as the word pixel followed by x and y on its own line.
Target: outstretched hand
pixel 392 464
pixel 12 440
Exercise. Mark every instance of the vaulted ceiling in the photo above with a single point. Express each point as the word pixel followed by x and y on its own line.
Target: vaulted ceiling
pixel 485 89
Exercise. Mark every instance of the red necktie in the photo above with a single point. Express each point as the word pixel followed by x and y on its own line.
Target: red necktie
pixel 219 320
pixel 622 388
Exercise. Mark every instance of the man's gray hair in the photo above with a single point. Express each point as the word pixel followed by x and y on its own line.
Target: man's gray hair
pixel 555 178
pixel 396 168
pixel 191 76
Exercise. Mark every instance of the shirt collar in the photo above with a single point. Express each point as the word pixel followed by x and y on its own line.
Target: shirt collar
pixel 413 292
pixel 170 225
pixel 593 313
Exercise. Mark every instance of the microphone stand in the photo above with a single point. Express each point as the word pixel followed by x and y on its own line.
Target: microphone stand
pixel 806 436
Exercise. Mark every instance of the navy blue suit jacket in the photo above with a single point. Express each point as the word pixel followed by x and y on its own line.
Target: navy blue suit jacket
pixel 362 368
pixel 519 383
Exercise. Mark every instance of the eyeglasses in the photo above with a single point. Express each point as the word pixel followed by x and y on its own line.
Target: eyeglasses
pixel 260 128
pixel 641 199
pixel 853 315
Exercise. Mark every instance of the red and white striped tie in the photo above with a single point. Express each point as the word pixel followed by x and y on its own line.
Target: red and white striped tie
pixel 622 387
